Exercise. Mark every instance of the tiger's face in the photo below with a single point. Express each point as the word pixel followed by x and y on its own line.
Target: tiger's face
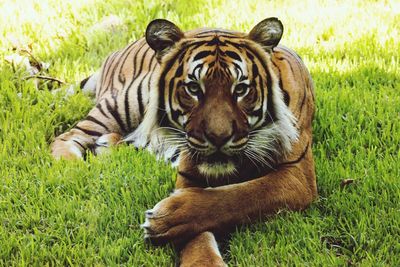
pixel 215 92
pixel 216 99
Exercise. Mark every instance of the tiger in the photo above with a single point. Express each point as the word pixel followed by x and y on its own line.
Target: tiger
pixel 235 109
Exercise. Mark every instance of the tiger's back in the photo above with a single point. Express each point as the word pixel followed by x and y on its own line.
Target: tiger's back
pixel 125 81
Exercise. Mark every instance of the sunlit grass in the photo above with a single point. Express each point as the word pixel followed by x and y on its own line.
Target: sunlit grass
pixel 88 213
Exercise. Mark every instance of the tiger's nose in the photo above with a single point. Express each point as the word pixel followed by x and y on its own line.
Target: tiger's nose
pixel 218 139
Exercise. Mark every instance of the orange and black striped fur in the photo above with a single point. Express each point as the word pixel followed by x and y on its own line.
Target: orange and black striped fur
pixel 237 109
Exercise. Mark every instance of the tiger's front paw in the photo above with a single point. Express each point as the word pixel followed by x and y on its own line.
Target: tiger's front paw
pixel 105 142
pixel 68 150
pixel 182 215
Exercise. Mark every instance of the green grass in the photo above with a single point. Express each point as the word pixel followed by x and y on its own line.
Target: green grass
pixel 88 213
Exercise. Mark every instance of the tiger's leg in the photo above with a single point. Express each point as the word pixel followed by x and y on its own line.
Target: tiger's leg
pixel 201 251
pixel 98 129
pixel 194 210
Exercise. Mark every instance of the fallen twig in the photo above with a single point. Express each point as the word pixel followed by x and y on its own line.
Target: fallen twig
pixel 45 78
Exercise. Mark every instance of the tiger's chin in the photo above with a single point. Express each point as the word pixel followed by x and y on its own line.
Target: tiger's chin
pixel 217 169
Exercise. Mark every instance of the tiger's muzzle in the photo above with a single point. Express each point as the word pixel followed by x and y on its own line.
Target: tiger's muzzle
pixel 228 147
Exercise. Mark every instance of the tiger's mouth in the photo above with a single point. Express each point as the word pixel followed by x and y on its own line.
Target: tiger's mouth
pixel 216 164
pixel 217 157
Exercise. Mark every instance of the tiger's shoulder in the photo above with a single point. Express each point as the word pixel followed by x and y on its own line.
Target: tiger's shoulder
pixel 295 83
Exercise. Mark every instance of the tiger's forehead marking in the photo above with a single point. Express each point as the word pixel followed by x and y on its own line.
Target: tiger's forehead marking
pixel 215 57
pixel 222 59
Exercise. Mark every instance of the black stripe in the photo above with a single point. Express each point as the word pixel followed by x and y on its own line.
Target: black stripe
pixel 127 109
pixel 222 33
pixel 103 74
pixel 181 104
pixel 94 120
pixel 241 77
pixel 121 77
pixel 174 114
pixel 110 79
pixel 79 144
pixel 233 55
pixel 291 52
pixel 115 114
pixel 179 71
pixel 151 74
pixel 255 70
pixel 215 41
pixel 285 59
pixel 202 54
pixel 194 44
pixel 238 46
pixel 142 62
pixel 249 55
pixel 83 82
pixel 135 59
pixel 256 113
pixel 140 99
pixel 140 87
pixel 127 51
pixel 105 69
pixel 198 67
pixel 303 100
pixel 260 116
pixel 230 36
pixel 297 62
pixel 270 107
pixel 286 96
pixel 135 75
pixel 236 71
pixel 175 155
pixel 123 60
pixel 89 132
pixel 100 108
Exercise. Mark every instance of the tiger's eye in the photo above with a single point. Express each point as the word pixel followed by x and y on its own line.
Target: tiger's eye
pixel 241 89
pixel 193 88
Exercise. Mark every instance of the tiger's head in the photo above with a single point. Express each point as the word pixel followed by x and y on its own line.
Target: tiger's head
pixel 218 99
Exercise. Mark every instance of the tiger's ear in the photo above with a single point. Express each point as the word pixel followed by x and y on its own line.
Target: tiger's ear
pixel 268 33
pixel 161 35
